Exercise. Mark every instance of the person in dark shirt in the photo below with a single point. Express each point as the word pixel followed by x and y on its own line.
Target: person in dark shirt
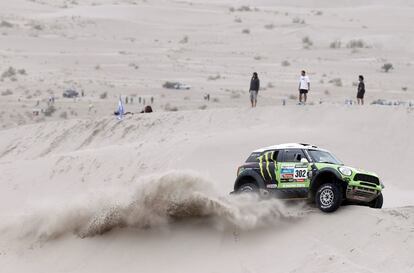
pixel 361 90
pixel 254 89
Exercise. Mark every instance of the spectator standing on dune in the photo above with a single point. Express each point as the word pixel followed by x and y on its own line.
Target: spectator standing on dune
pixel 304 87
pixel 254 89
pixel 361 90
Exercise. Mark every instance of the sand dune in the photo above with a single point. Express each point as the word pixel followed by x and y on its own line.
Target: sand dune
pixel 102 179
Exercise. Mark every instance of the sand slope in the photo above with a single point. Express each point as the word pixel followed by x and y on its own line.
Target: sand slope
pixel 88 177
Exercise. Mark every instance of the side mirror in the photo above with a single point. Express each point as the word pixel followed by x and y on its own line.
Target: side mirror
pixel 304 160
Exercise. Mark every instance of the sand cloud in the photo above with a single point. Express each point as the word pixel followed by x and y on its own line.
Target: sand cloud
pixel 154 202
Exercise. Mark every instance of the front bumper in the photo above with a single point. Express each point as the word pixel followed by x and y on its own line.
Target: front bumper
pixel 361 194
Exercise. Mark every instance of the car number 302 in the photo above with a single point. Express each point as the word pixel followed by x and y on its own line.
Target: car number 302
pixel 300 173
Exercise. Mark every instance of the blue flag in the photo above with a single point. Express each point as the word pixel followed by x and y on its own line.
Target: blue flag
pixel 120 110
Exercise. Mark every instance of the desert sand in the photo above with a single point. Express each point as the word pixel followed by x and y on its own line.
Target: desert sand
pixel 81 191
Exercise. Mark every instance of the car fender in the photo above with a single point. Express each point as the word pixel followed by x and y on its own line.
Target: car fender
pixel 324 171
pixel 250 173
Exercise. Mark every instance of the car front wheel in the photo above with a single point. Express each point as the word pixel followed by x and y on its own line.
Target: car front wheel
pixel 328 197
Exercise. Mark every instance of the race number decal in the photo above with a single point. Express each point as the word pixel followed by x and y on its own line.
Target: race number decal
pixel 300 174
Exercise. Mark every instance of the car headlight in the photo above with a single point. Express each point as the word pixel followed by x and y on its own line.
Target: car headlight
pixel 345 171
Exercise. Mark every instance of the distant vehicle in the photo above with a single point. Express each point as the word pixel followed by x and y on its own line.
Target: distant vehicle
pixel 176 85
pixel 182 86
pixel 70 93
pixel 305 171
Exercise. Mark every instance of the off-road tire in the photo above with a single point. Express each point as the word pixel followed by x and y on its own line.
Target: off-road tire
pixel 328 197
pixel 377 202
pixel 248 188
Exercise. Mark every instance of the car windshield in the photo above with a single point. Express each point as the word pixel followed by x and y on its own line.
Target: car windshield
pixel 324 157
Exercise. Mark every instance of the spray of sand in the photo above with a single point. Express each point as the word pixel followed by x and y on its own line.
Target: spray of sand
pixel 155 202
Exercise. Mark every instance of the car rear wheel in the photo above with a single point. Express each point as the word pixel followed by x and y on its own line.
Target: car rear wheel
pixel 377 202
pixel 328 197
pixel 248 188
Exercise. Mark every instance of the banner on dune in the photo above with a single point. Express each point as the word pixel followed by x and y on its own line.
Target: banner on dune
pixel 120 111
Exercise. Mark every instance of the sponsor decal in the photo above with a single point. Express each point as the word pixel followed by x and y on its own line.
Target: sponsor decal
pixel 286 173
pixel 287 170
pixel 287 180
pixel 271 186
pixel 292 185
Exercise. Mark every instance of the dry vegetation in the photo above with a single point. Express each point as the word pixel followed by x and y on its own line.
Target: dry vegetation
pixel 357 43
pixel 298 20
pixel 63 115
pixel 307 42
pixel 133 65
pixel 235 95
pixel 335 44
pixel 285 63
pixel 184 40
pixel 387 67
pixel 49 111
pixel 170 108
pixel 241 8
pixel 7 92
pixel 214 78
pixel 6 24
pixel 104 95
pixel 336 82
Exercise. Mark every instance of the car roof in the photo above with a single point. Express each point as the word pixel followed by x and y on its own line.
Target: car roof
pixel 289 146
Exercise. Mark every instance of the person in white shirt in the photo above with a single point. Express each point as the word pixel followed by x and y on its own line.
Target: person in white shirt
pixel 304 87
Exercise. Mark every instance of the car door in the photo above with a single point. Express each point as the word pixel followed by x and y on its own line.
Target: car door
pixel 268 167
pixel 293 169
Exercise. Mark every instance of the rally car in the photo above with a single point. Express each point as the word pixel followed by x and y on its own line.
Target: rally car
pixel 305 171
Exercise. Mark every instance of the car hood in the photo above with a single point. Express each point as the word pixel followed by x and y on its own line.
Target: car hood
pixel 361 171
pixel 336 166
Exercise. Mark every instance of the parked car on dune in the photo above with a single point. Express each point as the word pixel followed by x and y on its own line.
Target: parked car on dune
pixel 70 93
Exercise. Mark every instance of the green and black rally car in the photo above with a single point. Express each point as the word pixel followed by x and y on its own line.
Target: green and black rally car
pixel 305 171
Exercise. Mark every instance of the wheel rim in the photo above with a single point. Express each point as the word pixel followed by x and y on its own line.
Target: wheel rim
pixel 327 197
pixel 246 189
